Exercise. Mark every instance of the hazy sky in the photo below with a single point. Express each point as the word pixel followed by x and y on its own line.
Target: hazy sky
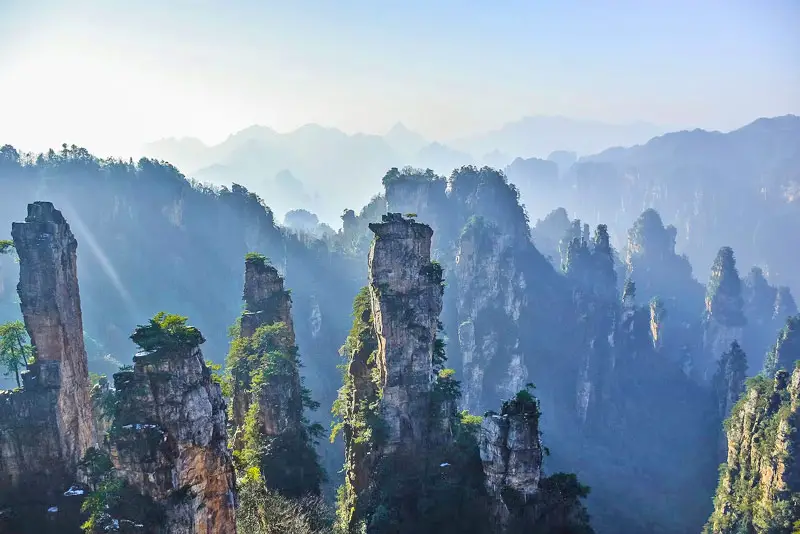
pixel 112 74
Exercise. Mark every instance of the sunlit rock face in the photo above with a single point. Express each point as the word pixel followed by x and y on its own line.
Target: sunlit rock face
pixel 267 302
pixel 51 307
pixel 169 440
pixel 406 294
pixel 46 425
pixel 761 477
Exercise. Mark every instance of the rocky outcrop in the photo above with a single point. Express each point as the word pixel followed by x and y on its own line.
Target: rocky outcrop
pixel 511 452
pixel 491 299
pixel 724 319
pixel 169 439
pixel 51 307
pixel 786 349
pixel 406 293
pixel 266 303
pixel 760 482
pixel 33 475
pixel 268 395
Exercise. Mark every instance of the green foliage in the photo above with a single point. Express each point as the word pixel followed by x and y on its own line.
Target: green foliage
pixel 166 331
pixel 262 511
pixel 216 371
pixel 746 501
pixel 434 273
pixel 257 365
pixel 524 403
pixel 557 508
pixel 96 466
pixel 15 350
pixel 107 496
pixel 786 350
pixel 6 246
pixel 410 174
pixel 256 258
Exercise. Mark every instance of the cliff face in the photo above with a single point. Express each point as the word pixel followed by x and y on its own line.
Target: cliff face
pixel 169 440
pixel 759 487
pixel 266 300
pixel 511 452
pixel 406 294
pixel 267 303
pixel 491 300
pixel 33 476
pixel 268 394
pixel 51 307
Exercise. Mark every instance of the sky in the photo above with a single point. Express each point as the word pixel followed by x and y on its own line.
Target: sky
pixel 111 75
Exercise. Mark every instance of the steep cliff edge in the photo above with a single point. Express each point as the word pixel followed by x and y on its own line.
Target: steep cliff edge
pixel 491 301
pixel 51 307
pixel 759 486
pixel 412 462
pixel 168 441
pixel 406 293
pixel 268 397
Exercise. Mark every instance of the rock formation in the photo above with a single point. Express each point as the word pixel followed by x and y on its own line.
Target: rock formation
pixel 786 349
pixel 268 395
pixel 266 303
pixel 759 486
pixel 491 300
pixel 51 307
pixel 47 424
pixel 406 294
pixel 169 440
pixel 725 320
pixel 33 475
pixel 511 452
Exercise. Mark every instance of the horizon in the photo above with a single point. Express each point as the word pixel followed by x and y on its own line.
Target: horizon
pixel 112 76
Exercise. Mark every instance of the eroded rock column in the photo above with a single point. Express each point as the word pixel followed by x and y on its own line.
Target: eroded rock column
pixel 51 307
pixel 169 440
pixel 511 452
pixel 406 295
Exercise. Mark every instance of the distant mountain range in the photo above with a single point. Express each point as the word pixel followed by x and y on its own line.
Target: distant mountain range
pixel 331 170
pixel 321 159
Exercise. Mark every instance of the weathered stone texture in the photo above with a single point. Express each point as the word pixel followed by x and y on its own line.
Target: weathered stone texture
pixel 492 290
pixel 280 402
pixel 169 440
pixel 51 307
pixel 406 296
pixel 511 452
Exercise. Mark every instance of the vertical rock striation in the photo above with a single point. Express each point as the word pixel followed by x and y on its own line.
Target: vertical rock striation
pixel 51 307
pixel 491 300
pixel 406 293
pixel 169 440
pixel 759 486
pixel 267 303
pixel 511 452
pixel 268 394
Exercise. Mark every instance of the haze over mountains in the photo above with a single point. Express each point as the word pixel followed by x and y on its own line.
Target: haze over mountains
pixel 321 157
